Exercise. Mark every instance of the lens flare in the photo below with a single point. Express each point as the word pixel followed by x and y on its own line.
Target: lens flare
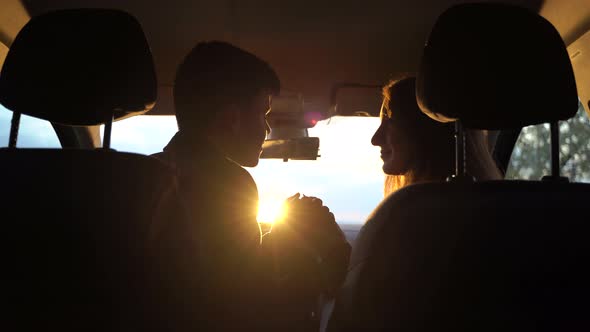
pixel 271 210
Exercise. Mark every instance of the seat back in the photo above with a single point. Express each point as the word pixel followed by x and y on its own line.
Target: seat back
pixel 478 256
pixel 92 239
pixel 489 256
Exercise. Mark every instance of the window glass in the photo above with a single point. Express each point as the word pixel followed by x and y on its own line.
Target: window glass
pixel 145 134
pixel 32 133
pixel 531 157
pixel 347 176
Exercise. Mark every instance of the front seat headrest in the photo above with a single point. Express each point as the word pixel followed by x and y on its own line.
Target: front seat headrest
pixel 79 67
pixel 495 66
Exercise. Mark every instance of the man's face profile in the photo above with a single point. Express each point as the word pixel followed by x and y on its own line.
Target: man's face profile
pixel 252 129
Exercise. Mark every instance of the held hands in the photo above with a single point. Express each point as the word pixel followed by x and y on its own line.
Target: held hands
pixel 313 222
pixel 310 236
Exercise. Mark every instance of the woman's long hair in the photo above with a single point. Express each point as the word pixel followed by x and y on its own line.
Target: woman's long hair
pixel 432 142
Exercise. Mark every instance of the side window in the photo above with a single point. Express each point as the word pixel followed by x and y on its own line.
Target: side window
pixel 33 132
pixel 531 157
pixel 145 134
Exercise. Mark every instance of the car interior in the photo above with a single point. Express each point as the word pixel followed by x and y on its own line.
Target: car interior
pixel 80 81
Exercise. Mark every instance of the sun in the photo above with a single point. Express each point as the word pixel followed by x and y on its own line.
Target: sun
pixel 271 210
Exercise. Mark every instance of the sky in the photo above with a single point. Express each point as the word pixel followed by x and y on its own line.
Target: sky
pixel 347 176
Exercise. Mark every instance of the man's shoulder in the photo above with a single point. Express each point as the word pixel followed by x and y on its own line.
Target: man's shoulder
pixel 237 170
pixel 162 156
pixel 213 167
pixel 238 180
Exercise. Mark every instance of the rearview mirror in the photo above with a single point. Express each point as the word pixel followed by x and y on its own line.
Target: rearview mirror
pixel 301 148
pixel 289 112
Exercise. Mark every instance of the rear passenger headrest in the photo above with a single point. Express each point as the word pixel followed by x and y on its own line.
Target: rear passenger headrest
pixel 79 67
pixel 495 66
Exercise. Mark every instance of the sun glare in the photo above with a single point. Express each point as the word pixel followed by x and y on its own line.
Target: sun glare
pixel 271 210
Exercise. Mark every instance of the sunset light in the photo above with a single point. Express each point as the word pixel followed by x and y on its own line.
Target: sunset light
pixel 271 210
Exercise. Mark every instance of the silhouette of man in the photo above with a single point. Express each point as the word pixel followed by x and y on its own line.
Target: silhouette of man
pixel 222 95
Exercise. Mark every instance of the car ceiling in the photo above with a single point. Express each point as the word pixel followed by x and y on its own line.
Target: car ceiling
pixel 311 44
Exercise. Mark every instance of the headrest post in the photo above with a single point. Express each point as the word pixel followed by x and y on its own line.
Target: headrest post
pixel 14 126
pixel 459 150
pixel 460 160
pixel 106 140
pixel 555 167
pixel 555 149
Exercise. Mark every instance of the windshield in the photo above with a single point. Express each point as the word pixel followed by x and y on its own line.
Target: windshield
pixel 347 176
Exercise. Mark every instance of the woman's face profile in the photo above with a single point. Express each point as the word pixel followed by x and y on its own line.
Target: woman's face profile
pixel 391 138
